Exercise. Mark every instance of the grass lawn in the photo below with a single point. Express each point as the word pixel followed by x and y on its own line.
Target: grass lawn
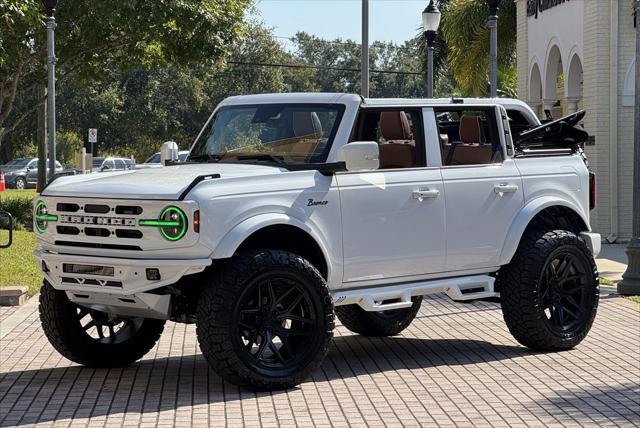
pixel 15 194
pixel 17 265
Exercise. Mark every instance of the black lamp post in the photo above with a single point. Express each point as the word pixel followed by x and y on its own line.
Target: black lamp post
pixel 494 5
pixel 430 23
pixel 630 283
pixel 50 10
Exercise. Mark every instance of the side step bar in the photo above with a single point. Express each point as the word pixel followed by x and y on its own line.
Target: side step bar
pixel 399 296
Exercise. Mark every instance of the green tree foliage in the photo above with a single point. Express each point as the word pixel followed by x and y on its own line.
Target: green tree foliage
pixel 467 38
pixel 68 144
pixel 95 38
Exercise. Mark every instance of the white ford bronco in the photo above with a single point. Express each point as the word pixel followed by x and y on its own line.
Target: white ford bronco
pixel 293 208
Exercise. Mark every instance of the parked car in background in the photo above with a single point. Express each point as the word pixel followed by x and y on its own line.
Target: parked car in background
pixel 112 164
pixel 22 173
pixel 155 161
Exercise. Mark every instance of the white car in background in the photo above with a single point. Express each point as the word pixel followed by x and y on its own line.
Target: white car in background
pixel 111 163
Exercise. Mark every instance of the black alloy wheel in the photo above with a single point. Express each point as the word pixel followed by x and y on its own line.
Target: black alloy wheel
pixel 275 325
pixel 566 291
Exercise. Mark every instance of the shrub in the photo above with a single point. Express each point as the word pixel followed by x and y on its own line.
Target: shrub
pixel 21 209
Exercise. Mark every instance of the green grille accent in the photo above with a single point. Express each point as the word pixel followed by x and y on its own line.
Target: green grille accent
pixel 181 224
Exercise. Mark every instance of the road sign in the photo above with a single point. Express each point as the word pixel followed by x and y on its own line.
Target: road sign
pixel 93 135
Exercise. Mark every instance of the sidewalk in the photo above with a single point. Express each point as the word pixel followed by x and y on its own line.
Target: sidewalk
pixel 612 261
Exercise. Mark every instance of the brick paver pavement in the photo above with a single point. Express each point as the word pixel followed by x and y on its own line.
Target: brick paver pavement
pixel 456 365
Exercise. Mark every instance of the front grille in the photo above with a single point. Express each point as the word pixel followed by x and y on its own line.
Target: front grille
pixel 96 209
pixel 97 231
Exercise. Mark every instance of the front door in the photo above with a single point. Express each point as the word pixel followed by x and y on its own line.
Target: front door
pixel 392 218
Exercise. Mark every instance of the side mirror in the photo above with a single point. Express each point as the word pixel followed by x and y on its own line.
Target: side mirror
pixel 360 156
pixel 104 168
pixel 6 229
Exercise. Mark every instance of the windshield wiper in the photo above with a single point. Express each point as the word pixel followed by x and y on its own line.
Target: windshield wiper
pixel 262 157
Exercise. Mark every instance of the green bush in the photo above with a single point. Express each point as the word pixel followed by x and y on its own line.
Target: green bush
pixel 21 209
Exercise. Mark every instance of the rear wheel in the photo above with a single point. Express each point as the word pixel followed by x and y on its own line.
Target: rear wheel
pixel 265 320
pixel 94 338
pixel 550 291
pixel 385 323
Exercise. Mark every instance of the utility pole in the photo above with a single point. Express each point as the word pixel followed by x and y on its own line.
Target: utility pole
pixel 50 9
pixel 41 138
pixel 630 283
pixel 365 48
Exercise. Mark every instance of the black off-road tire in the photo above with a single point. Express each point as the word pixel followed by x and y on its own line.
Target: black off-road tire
pixel 61 325
pixel 378 324
pixel 525 290
pixel 223 339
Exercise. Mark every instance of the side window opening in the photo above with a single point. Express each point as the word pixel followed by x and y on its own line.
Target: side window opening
pixel 469 136
pixel 398 134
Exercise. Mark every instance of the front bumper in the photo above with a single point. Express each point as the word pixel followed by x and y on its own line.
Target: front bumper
pixel 113 276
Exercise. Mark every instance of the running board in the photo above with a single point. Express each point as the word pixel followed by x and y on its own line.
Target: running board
pixel 399 296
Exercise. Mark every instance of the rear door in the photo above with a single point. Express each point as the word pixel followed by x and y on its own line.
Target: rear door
pixel 392 218
pixel 482 185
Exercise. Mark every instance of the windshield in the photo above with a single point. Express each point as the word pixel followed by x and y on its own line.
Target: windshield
pixel 153 159
pixel 289 133
pixel 19 163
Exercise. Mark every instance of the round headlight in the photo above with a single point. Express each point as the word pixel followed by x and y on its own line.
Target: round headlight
pixel 174 223
pixel 41 217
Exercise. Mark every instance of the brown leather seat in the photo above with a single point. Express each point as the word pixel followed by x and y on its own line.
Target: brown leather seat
pixel 398 150
pixel 470 150
pixel 307 129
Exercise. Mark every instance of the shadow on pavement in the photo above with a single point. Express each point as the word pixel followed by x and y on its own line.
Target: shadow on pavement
pixel 153 385
pixel 595 405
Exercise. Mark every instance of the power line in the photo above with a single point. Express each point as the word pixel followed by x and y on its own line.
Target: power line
pixel 319 67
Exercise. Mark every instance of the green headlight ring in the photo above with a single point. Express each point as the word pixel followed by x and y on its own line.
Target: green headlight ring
pixel 182 223
pixel 40 219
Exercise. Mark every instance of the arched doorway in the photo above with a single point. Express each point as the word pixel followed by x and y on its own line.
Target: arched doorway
pixel 535 89
pixel 553 83
pixel 574 84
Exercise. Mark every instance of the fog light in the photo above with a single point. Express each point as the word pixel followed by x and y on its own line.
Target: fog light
pixel 153 274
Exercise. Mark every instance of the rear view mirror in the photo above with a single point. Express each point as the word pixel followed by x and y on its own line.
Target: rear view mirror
pixel 360 156
pixel 6 229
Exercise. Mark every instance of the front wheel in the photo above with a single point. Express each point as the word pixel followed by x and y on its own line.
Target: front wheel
pixel 94 338
pixel 550 291
pixel 20 183
pixel 265 320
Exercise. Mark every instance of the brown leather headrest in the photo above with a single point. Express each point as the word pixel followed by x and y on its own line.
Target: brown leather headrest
pixel 470 129
pixel 307 124
pixel 394 125
pixel 397 156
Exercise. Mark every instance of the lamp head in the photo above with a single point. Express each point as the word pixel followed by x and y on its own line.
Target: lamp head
pixel 494 5
pixel 50 6
pixel 431 18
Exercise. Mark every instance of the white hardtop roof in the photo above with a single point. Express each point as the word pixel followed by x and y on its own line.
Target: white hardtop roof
pixel 340 98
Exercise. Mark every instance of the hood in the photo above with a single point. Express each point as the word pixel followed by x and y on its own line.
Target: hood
pixel 11 168
pixel 166 183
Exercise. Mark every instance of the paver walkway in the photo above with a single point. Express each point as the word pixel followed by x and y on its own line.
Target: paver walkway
pixel 455 365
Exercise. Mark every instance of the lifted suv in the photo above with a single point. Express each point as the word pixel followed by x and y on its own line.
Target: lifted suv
pixel 294 207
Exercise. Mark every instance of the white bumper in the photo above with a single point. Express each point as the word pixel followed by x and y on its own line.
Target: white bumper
pixel 593 241
pixel 115 276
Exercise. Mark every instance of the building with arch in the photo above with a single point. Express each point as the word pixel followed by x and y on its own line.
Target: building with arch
pixel 580 54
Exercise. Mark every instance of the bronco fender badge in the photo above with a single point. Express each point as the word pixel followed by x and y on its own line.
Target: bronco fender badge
pixel 312 203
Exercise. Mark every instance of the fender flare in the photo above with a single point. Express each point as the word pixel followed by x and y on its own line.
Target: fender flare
pixel 239 233
pixel 524 217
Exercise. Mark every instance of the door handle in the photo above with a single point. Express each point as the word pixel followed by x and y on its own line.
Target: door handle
pixel 505 188
pixel 422 194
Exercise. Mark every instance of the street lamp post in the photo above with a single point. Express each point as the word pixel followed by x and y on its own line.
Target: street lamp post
pixel 494 5
pixel 630 283
pixel 50 9
pixel 365 48
pixel 430 23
